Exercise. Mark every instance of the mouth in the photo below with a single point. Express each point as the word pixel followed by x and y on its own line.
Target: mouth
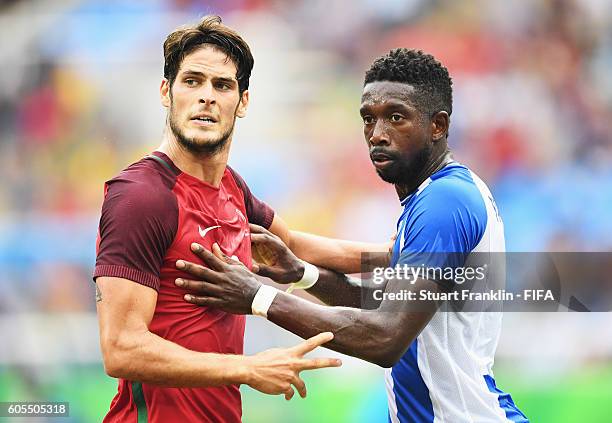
pixel 203 120
pixel 381 160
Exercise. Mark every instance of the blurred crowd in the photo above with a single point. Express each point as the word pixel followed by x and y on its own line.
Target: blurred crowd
pixel 79 102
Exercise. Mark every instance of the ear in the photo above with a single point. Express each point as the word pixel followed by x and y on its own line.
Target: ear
pixel 243 104
pixel 439 125
pixel 164 93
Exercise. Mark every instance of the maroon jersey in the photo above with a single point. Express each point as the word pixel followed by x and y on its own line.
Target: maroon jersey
pixel 152 212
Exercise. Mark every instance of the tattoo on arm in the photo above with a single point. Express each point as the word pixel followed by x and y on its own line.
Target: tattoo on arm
pixel 98 294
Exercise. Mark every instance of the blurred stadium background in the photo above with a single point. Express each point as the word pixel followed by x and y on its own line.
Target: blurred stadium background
pixel 79 101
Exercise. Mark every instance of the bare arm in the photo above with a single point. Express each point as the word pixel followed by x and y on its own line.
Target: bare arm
pixel 339 255
pixel 380 336
pixel 282 266
pixel 130 351
pixel 280 229
pixel 338 289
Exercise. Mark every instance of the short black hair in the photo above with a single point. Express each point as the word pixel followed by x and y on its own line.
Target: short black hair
pixel 421 70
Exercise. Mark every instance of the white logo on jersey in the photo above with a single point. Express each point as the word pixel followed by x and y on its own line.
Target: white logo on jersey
pixel 205 231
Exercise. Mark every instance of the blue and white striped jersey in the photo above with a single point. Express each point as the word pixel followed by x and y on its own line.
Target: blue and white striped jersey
pixel 446 375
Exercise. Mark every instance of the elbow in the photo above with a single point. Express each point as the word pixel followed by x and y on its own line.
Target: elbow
pixel 116 357
pixel 389 351
pixel 386 359
pixel 112 368
pixel 114 363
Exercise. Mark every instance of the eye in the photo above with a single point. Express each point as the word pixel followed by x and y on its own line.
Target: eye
pixel 396 117
pixel 368 120
pixel 191 82
pixel 224 86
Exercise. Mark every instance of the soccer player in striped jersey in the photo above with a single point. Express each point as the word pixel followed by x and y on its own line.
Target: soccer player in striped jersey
pixel 439 360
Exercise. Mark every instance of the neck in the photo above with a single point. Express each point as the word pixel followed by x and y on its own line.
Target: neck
pixel 207 168
pixel 437 162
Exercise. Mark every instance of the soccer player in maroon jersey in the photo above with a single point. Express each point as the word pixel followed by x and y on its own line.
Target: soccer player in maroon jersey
pixel 176 361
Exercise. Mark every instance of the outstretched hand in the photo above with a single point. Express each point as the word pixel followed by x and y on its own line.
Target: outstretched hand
pixel 272 258
pixel 226 283
pixel 277 371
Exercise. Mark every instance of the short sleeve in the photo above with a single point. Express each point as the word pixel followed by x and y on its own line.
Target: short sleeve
pixel 258 212
pixel 138 223
pixel 447 222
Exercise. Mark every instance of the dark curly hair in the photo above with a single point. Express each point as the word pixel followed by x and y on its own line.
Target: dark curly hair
pixel 210 30
pixel 429 77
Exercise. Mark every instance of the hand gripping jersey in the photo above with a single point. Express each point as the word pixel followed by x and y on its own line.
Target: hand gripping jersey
pixel 446 374
pixel 152 212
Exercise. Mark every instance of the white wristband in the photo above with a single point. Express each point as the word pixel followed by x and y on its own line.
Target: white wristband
pixel 263 300
pixel 309 278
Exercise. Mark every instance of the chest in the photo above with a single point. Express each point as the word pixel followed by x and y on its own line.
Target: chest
pixel 208 216
pixel 205 216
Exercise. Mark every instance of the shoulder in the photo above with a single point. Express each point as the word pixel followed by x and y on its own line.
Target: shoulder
pixel 142 190
pixel 455 186
pixel 448 212
pixel 452 190
pixel 145 185
pixel 238 180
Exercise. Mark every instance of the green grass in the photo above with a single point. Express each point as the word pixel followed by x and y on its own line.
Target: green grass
pixel 355 396
pixel 581 396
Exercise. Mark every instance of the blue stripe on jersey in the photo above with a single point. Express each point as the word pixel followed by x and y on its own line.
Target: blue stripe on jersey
pixel 505 402
pixel 411 393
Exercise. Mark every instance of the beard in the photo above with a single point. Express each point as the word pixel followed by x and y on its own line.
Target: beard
pixel 405 171
pixel 206 148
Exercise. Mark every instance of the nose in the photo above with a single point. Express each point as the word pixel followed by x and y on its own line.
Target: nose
pixel 379 134
pixel 207 94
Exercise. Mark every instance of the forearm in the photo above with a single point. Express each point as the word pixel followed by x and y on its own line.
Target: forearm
pixel 338 289
pixel 339 255
pixel 148 358
pixel 367 335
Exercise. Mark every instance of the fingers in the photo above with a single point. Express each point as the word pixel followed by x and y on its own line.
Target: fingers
pixel 264 236
pixel 203 301
pixel 216 250
pixel 263 270
pixel 196 270
pixel 220 254
pixel 209 258
pixel 319 363
pixel 300 386
pixel 256 229
pixel 312 343
pixel 261 238
pixel 200 287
